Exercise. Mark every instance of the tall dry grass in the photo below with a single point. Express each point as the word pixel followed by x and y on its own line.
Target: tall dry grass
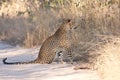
pixel 36 20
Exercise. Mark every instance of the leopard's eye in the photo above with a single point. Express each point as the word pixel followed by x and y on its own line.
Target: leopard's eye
pixel 68 20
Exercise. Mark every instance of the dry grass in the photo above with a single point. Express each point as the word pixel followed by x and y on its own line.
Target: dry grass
pixel 103 56
pixel 35 20
pixel 108 63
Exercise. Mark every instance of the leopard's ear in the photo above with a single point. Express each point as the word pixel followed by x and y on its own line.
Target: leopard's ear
pixel 64 20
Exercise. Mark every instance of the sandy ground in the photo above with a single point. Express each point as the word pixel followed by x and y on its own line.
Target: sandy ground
pixel 37 71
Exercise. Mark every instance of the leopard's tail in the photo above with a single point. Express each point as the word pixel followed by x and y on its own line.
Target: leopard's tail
pixel 31 62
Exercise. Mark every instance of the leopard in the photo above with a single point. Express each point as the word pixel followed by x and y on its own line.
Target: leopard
pixel 59 42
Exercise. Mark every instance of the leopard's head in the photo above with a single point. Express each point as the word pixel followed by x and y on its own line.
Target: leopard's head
pixel 68 24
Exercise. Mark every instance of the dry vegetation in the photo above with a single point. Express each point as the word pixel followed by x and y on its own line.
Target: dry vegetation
pixel 108 63
pixel 29 22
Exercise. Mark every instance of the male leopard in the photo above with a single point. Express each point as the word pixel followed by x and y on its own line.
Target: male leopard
pixel 58 42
